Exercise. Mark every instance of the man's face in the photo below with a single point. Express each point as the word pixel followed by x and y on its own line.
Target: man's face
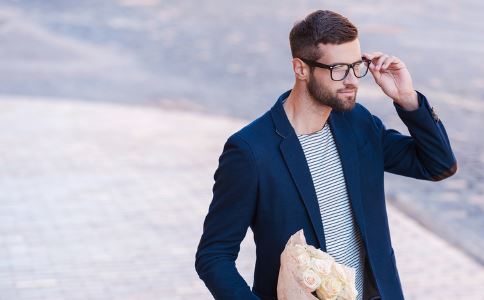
pixel 339 95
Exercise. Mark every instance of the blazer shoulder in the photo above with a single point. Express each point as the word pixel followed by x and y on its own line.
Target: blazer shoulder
pixel 256 131
pixel 258 136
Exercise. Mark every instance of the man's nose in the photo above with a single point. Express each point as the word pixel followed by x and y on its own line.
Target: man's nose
pixel 351 79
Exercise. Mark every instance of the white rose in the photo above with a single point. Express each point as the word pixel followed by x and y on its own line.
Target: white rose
pixel 330 288
pixel 350 275
pixel 317 253
pixel 311 279
pixel 322 266
pixel 339 272
pixel 348 293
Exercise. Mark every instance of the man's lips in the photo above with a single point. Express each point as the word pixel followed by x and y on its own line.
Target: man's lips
pixel 347 92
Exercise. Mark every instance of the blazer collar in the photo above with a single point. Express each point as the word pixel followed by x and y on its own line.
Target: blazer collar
pixel 282 125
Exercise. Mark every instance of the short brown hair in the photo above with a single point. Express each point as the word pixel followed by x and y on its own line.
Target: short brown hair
pixel 322 26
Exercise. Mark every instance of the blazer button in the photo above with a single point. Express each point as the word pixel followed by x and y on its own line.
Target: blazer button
pixel 434 114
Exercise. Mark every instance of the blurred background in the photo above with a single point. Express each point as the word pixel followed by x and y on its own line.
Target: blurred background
pixel 113 115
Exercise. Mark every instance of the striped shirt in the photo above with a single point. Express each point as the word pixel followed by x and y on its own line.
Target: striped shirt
pixel 343 239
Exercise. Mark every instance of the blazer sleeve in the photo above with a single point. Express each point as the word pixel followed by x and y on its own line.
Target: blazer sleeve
pixel 426 153
pixel 229 216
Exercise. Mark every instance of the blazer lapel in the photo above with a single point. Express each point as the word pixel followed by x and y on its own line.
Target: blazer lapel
pixel 293 155
pixel 347 148
pixel 298 167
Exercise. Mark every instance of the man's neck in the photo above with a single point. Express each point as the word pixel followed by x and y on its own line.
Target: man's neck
pixel 304 113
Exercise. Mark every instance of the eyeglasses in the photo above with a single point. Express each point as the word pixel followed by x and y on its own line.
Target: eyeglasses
pixel 340 71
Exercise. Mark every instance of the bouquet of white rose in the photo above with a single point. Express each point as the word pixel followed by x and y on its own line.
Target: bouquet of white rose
pixel 309 273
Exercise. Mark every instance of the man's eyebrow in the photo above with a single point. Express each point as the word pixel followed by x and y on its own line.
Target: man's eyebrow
pixel 343 63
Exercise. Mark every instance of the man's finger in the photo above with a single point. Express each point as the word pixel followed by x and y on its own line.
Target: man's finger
pixel 375 74
pixel 388 61
pixel 380 61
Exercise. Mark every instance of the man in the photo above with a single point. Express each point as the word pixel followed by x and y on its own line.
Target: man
pixel 315 161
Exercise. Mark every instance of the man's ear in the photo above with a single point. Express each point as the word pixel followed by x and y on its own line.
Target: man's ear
pixel 301 70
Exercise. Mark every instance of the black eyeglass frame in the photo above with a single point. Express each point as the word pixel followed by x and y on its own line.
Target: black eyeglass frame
pixel 313 63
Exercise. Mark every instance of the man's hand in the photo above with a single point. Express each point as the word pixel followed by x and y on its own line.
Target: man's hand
pixel 391 74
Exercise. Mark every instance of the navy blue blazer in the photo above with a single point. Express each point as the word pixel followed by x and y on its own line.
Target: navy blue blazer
pixel 263 182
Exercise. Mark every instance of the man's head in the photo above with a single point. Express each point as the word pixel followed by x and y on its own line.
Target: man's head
pixel 328 38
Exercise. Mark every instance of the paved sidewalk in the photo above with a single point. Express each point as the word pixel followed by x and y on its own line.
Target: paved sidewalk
pixel 105 201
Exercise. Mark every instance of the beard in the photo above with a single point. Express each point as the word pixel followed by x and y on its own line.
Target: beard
pixel 325 96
